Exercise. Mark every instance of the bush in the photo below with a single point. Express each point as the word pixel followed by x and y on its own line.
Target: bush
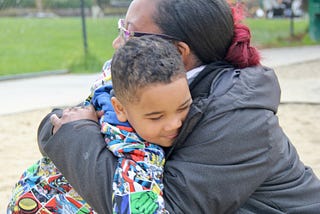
pixel 47 4
pixel 65 3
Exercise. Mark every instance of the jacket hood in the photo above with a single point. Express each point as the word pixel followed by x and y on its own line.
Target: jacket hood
pixel 253 87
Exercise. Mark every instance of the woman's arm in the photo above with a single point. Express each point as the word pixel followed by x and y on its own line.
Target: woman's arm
pixel 79 152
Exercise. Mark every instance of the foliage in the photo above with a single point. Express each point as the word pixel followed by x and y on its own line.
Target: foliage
pixel 65 3
pixel 46 3
pixel 55 4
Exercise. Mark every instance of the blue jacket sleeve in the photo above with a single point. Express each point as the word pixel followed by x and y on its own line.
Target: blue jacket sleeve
pixel 101 101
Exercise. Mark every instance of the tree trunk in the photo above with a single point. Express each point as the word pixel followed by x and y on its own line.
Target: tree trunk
pixel 39 5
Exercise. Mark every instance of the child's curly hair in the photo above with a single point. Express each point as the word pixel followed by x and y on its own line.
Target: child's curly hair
pixel 143 61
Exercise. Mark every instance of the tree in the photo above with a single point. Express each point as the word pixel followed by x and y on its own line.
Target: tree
pixel 39 5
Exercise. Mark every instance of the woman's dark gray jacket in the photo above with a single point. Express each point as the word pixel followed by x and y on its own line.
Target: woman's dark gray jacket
pixel 230 157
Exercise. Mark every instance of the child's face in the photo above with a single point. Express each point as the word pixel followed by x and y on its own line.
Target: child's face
pixel 158 116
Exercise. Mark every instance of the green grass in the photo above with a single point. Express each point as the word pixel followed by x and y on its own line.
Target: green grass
pixel 35 45
pixel 268 33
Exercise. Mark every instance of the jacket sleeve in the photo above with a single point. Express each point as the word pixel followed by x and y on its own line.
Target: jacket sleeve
pixel 222 162
pixel 79 152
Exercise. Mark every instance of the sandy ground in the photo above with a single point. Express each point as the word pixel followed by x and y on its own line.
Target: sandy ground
pixel 19 148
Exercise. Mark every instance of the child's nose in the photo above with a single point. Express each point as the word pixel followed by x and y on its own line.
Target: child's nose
pixel 173 124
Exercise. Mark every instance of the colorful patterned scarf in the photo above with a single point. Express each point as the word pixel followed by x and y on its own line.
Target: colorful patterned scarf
pixel 137 183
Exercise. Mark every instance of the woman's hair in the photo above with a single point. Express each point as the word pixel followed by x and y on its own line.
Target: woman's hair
pixel 143 61
pixel 240 52
pixel 211 28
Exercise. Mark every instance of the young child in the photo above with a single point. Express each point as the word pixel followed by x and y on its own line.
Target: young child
pixel 151 101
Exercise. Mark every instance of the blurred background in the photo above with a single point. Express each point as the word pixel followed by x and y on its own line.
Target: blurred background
pixel 76 35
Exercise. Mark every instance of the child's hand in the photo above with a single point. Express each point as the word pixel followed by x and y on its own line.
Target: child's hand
pixel 99 113
pixel 73 114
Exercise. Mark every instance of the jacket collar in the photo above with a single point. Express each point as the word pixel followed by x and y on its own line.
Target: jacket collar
pixel 199 88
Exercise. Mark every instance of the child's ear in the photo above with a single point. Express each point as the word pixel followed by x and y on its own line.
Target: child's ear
pixel 183 48
pixel 119 109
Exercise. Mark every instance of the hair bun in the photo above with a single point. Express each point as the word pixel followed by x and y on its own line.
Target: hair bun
pixel 240 53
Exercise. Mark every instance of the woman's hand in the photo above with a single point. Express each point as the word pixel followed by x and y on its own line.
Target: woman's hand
pixel 74 114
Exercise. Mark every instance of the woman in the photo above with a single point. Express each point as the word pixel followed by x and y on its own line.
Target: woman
pixel 231 155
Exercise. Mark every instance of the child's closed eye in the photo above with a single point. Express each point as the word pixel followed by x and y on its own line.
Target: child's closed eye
pixel 155 118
